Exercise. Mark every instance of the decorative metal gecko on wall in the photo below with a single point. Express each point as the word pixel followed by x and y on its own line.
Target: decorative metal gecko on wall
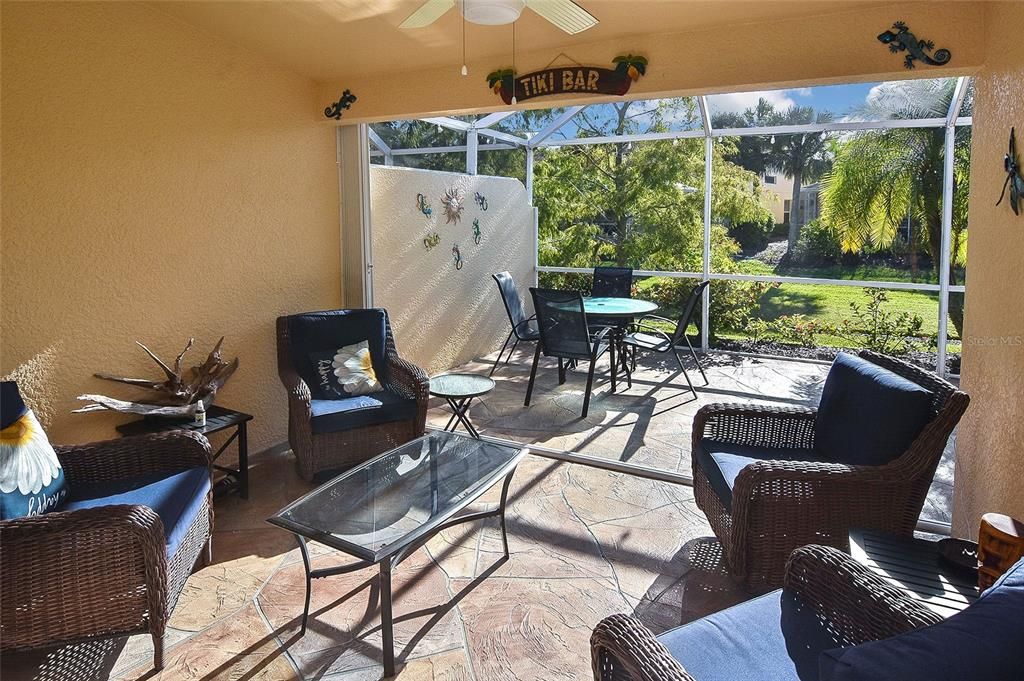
pixel 902 40
pixel 1014 180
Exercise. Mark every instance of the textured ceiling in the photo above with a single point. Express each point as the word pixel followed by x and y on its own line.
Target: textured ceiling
pixel 329 40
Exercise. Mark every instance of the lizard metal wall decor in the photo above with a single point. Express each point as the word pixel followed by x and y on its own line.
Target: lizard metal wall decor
pixel 335 110
pixel 1014 180
pixel 902 40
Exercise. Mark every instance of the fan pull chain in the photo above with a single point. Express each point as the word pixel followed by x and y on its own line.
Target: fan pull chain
pixel 465 69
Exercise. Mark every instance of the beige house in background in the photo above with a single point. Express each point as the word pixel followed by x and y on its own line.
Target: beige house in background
pixel 776 195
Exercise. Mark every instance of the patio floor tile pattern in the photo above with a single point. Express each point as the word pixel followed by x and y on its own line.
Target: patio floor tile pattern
pixel 584 543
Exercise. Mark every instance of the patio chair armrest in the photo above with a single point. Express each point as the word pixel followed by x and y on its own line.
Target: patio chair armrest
pixel 623 649
pixel 654 316
pixel 111 560
pixel 127 457
pixel 859 605
pixel 755 425
pixel 653 329
pixel 408 379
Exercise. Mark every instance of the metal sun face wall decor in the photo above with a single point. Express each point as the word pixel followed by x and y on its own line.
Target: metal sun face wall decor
pixel 902 40
pixel 454 203
pixel 1014 181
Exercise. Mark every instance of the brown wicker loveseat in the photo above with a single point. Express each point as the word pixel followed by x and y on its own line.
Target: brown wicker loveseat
pixel 785 501
pixel 92 570
pixel 324 436
pixel 828 601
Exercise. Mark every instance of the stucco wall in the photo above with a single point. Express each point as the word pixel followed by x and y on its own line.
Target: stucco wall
pixel 990 444
pixel 157 184
pixel 835 47
pixel 444 317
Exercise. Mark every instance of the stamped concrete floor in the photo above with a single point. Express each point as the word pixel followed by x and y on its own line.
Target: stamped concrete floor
pixel 585 543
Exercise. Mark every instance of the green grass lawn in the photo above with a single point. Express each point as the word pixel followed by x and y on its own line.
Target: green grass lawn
pixel 830 304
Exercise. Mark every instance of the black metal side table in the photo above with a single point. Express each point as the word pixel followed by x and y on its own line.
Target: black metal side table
pixel 460 390
pixel 217 419
pixel 918 567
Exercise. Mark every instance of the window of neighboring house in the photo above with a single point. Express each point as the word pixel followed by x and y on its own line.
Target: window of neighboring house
pixel 785 210
pixel 769 179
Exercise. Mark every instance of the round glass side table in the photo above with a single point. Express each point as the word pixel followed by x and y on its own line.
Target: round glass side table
pixel 459 390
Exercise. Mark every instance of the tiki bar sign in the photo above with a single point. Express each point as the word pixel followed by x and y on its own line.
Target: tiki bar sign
pixel 562 80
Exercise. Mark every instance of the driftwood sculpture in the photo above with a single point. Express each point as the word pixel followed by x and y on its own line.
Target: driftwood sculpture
pixel 175 397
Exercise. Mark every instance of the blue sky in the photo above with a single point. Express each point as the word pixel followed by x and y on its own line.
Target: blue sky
pixel 839 99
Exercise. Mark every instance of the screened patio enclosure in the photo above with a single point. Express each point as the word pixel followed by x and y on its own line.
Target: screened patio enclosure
pixel 723 162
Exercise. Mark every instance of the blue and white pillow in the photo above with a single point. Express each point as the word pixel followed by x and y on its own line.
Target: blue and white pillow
pixel 31 478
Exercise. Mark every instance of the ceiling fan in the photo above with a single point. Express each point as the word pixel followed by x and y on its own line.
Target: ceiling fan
pixel 564 14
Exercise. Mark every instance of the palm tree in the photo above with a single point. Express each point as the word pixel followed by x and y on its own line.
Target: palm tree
pixel 801 156
pixel 879 177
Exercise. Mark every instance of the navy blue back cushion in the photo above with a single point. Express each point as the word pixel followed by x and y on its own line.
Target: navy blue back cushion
pixel 985 642
pixel 314 333
pixel 868 415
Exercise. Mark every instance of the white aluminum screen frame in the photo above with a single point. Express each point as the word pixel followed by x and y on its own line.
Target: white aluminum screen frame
pixel 544 138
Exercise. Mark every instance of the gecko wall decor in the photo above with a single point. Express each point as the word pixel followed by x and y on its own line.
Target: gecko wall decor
pixel 900 39
pixel 457 257
pixel 424 205
pixel 431 240
pixel 476 231
pixel 334 110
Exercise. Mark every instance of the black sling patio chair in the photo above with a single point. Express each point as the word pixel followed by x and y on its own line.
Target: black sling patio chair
pixel 564 334
pixel 644 336
pixel 523 328
pixel 610 282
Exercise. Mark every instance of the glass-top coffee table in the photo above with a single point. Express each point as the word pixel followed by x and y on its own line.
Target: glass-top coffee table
pixel 383 510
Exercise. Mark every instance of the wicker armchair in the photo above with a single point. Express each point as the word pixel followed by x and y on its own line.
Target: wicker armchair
pixel 92 573
pixel 779 505
pixel 846 603
pixel 319 449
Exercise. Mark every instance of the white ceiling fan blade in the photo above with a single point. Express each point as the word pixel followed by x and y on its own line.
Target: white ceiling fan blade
pixel 431 11
pixel 564 14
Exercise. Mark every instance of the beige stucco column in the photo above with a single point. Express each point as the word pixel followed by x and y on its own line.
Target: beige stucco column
pixel 990 444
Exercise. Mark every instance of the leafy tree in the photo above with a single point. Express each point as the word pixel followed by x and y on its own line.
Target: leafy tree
pixel 752 152
pixel 635 203
pixel 881 176
pixel 802 156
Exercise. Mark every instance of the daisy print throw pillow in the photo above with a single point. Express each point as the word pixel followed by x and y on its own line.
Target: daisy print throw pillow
pixel 31 478
pixel 353 368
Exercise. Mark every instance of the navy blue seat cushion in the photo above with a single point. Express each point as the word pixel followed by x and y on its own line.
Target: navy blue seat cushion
pixel 868 415
pixel 771 638
pixel 314 334
pixel 331 416
pixel 175 497
pixel 723 461
pixel 984 642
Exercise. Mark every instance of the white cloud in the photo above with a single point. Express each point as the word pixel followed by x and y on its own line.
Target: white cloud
pixel 802 92
pixel 741 101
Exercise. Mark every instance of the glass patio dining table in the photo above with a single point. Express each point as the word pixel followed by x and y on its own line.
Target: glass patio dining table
pixel 624 308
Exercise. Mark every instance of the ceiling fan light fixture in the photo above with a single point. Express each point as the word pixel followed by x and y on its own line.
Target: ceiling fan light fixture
pixel 492 12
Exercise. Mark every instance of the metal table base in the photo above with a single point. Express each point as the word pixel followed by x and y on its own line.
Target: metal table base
pixel 460 414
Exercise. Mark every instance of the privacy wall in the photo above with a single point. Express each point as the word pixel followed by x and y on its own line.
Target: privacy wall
pixel 157 184
pixel 443 315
